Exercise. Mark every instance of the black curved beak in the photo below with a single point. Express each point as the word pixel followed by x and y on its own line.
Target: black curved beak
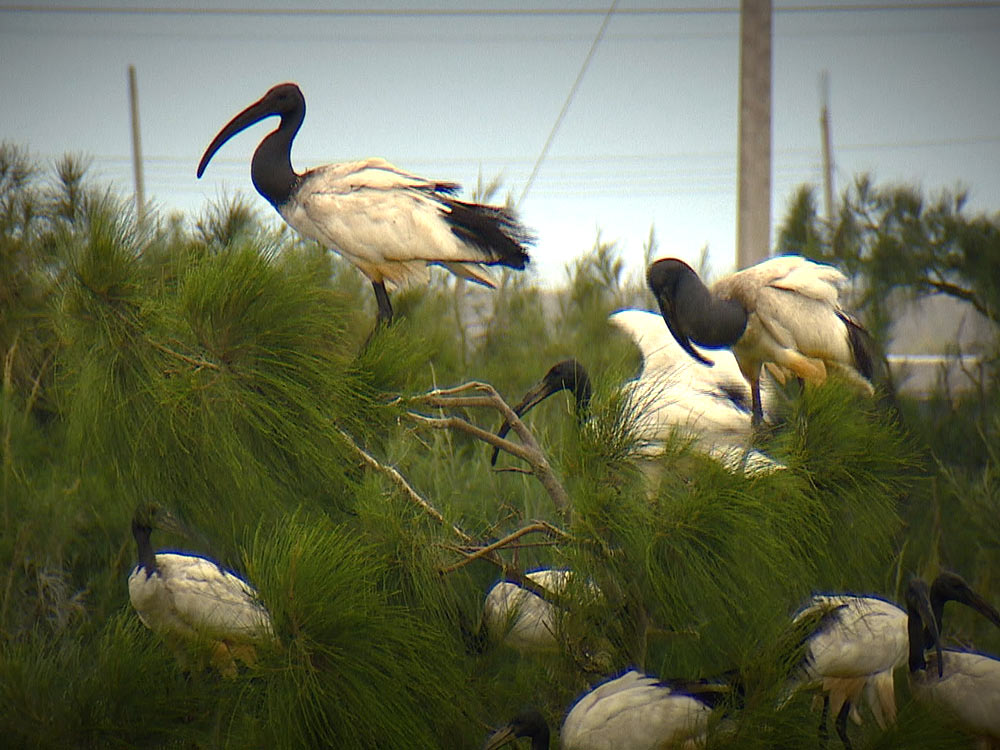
pixel 668 312
pixel 983 607
pixel 922 624
pixel 250 116
pixel 538 393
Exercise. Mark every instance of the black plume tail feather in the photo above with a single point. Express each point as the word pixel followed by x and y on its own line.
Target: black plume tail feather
pixel 869 359
pixel 492 230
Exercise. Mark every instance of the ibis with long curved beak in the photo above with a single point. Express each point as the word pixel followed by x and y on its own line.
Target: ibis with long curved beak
pixel 859 640
pixel 631 712
pixel 710 406
pixel 187 597
pixel 784 311
pixel 964 685
pixel 389 223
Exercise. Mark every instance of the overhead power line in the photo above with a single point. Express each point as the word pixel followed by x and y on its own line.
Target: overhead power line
pixel 569 99
pixel 901 5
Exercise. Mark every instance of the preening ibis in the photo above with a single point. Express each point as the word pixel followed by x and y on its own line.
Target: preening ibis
pixel 522 619
pixel 784 311
pixel 859 640
pixel 965 685
pixel 672 393
pixel 389 223
pixel 631 712
pixel 187 597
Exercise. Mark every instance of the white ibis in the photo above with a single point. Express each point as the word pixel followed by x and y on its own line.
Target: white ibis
pixel 631 712
pixel 784 311
pixel 389 223
pixel 859 640
pixel 522 619
pixel 710 406
pixel 186 597
pixel 964 685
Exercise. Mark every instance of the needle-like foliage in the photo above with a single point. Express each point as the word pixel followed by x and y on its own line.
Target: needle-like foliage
pixel 229 372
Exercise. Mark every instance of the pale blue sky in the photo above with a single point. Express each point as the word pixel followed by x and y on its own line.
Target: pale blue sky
pixel 650 138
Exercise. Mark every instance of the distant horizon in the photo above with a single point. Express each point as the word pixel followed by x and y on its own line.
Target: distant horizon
pixel 649 139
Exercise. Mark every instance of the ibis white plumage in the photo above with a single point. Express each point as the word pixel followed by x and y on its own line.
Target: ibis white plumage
pixel 187 597
pixel 389 223
pixel 784 311
pixel 964 685
pixel 520 618
pixel 967 691
pixel 631 712
pixel 672 394
pixel 860 640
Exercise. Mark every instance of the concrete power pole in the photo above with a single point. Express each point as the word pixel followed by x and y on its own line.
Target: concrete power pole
pixel 140 192
pixel 753 221
pixel 824 125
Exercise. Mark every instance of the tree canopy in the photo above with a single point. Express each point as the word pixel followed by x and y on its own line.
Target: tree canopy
pixel 225 369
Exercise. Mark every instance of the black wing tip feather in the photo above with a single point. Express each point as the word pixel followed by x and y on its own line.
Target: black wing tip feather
pixel 493 230
pixel 862 346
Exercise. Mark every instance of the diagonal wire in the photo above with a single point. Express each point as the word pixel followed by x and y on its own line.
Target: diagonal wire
pixel 569 99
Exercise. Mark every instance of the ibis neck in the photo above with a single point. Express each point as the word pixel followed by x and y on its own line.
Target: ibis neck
pixel 271 168
pixel 707 320
pixel 147 558
pixel 916 638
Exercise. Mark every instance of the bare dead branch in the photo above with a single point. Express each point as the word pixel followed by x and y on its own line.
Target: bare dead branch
pixel 400 481
pixel 464 425
pixel 528 450
pixel 508 570
pixel 537 526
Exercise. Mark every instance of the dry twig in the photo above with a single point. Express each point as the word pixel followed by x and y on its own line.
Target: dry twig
pixel 528 449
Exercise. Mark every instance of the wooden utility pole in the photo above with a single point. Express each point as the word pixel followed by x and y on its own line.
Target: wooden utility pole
pixel 140 191
pixel 753 221
pixel 824 125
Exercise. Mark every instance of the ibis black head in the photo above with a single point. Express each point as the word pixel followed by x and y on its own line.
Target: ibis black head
pixel 921 626
pixel 952 587
pixel 528 723
pixel 691 312
pixel 150 515
pixel 271 168
pixel 568 375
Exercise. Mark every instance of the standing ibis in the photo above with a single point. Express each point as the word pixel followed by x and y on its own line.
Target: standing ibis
pixel 784 311
pixel 187 597
pixel 859 640
pixel 389 223
pixel 964 685
pixel 631 712
pixel 710 406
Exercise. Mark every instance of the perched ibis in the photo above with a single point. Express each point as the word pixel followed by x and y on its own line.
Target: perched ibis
pixel 964 685
pixel 859 640
pixel 784 311
pixel 673 393
pixel 631 712
pixel 187 597
pixel 389 223
pixel 522 619
pixel 525 621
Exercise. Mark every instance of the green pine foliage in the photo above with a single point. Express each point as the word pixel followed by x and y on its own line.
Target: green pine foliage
pixel 229 371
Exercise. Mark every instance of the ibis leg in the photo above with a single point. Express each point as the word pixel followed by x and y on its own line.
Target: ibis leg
pixel 823 734
pixel 384 307
pixel 841 724
pixel 757 411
